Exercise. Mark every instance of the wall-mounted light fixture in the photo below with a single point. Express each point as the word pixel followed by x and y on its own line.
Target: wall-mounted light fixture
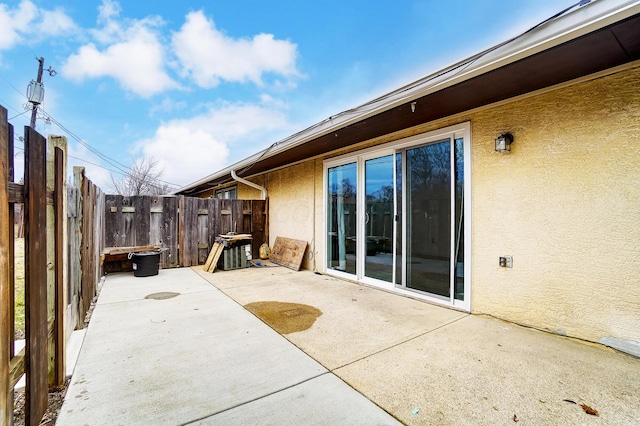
pixel 413 106
pixel 503 142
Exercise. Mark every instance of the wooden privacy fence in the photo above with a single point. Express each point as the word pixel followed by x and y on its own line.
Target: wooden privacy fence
pixel 185 227
pixel 62 240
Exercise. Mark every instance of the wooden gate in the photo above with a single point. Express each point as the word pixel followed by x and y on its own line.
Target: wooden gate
pixel 42 360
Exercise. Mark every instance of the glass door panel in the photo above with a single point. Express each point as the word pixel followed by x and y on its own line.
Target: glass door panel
pixel 342 218
pixel 378 218
pixel 459 222
pixel 428 218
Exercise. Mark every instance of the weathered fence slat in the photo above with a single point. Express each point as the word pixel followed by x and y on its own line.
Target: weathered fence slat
pixel 112 219
pixel 6 341
pixel 170 232
pixel 213 206
pixel 11 247
pixel 35 276
pixel 190 234
pixel 142 220
pixel 202 231
pixel 258 225
pixel 59 336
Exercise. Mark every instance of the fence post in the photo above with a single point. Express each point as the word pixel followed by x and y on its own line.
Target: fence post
pixel 78 256
pixel 6 402
pixel 35 276
pixel 56 172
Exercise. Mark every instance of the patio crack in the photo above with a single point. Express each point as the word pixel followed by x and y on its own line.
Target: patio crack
pixel 254 399
pixel 401 342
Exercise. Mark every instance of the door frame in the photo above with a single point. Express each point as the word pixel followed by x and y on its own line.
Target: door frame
pixel 462 130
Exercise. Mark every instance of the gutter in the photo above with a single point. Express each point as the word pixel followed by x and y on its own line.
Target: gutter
pixel 262 189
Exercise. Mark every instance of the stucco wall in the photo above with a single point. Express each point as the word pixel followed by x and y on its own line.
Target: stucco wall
pixel 565 203
pixel 291 205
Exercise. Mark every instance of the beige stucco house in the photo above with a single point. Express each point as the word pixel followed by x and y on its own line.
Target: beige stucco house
pixel 410 192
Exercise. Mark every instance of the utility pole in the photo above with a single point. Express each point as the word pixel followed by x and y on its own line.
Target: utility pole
pixel 34 111
pixel 35 91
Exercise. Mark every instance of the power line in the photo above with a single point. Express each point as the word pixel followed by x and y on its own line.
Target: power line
pixel 18 115
pixel 124 170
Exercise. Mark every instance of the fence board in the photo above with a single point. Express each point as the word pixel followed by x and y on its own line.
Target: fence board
pixel 6 319
pixel 226 217
pixel 155 221
pixel 237 216
pixel 142 218
pixel 190 234
pixel 170 232
pixel 203 230
pixel 213 206
pixel 11 248
pixel 258 226
pixel 112 220
pixel 59 359
pixel 73 259
pixel 87 247
pixel 128 218
pixel 36 326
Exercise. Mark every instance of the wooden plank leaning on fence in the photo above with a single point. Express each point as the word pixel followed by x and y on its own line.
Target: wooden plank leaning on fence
pixel 6 402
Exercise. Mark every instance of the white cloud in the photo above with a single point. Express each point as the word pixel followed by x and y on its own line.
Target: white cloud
pixel 167 105
pixel 189 149
pixel 54 23
pixel 107 10
pixel 26 23
pixel 207 55
pixel 134 57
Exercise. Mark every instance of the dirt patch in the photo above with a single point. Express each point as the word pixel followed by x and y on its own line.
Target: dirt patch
pixel 56 398
pixel 285 317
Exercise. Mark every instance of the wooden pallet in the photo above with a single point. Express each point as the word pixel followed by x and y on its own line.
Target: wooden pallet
pixel 214 255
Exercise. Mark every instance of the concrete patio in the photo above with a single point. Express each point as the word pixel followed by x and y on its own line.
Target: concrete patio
pixel 201 358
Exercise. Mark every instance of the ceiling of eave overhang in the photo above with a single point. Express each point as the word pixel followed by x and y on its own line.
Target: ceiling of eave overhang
pixel 606 48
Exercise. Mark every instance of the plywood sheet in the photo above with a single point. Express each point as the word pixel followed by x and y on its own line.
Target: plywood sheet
pixel 288 252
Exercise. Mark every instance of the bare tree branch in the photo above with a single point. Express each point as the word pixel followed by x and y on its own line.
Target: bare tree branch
pixel 142 179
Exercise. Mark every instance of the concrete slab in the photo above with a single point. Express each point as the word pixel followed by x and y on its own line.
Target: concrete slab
pixel 482 371
pixel 123 286
pixel 430 365
pixel 181 359
pixel 357 321
pixel 324 400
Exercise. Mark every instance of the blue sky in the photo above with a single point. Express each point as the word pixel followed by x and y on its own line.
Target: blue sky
pixel 198 85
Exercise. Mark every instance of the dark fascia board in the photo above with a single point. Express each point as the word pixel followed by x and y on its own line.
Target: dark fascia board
pixel 606 48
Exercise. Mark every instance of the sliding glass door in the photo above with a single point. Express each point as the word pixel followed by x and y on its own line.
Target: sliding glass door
pixel 396 216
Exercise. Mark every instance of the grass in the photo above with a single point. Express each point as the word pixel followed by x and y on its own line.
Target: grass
pixel 19 283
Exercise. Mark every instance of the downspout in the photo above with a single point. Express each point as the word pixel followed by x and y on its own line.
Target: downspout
pixel 251 184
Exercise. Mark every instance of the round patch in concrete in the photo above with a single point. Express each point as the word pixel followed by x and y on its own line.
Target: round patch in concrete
pixel 162 295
